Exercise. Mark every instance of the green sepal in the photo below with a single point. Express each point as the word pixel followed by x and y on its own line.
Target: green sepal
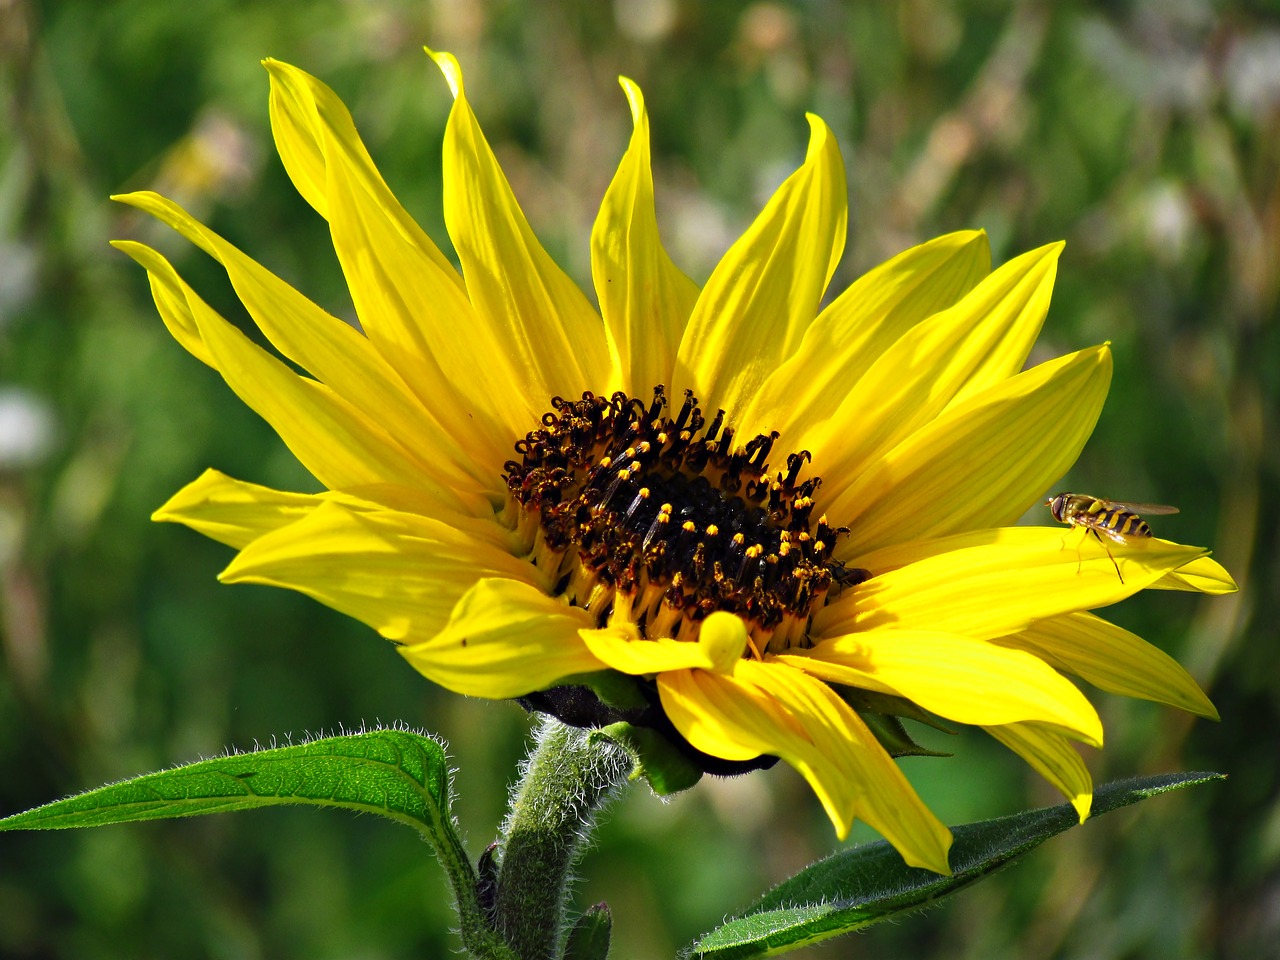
pixel 618 690
pixel 866 884
pixel 893 736
pixel 869 701
pixel 589 938
pixel 654 757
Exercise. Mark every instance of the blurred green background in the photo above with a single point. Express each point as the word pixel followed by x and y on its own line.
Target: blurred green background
pixel 1145 134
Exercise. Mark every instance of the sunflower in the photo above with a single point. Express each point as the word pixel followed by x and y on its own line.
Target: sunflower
pixel 767 513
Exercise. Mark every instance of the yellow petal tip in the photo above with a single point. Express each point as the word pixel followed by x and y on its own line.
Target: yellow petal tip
pixel 1084 805
pixel 278 69
pixel 448 65
pixel 819 132
pixel 634 97
pixel 137 198
pixel 723 638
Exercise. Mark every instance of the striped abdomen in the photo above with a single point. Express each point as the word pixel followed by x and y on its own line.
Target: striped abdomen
pixel 1114 522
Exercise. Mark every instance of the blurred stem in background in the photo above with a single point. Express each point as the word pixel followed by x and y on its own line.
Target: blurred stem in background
pixel 1146 134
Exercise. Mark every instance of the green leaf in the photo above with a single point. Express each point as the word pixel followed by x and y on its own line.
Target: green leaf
pixel 396 774
pixel 393 773
pixel 589 938
pixel 869 883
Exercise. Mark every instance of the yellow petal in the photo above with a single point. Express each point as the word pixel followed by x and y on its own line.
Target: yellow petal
pixel 765 292
pixel 335 353
pixel 982 463
pixel 1112 659
pixel 1054 758
pixel 232 511
pixel 170 300
pixel 772 708
pixel 968 681
pixel 236 513
pixel 304 112
pixel 721 642
pixel 858 326
pixel 719 716
pixel 505 639
pixel 339 444
pixel 399 573
pixel 991 583
pixel 546 320
pixel 724 637
pixel 615 647
pixel 409 299
pixel 1202 575
pixel 933 363
pixel 644 299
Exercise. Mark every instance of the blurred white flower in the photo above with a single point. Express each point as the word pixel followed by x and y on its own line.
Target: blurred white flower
pixel 26 428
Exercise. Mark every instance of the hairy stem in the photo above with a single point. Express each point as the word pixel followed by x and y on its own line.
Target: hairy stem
pixel 566 781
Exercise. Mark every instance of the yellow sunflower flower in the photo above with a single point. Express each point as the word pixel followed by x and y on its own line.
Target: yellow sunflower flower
pixel 745 501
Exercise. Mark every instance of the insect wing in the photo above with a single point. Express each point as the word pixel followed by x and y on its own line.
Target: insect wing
pixel 1129 506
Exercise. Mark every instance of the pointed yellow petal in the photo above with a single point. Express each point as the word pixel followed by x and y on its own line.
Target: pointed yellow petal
pixel 933 362
pixel 1054 758
pixel 304 112
pixel 232 511
pixel 401 574
pixel 337 443
pixel 237 513
pixel 546 320
pixel 991 583
pixel 771 708
pixel 429 332
pixel 1202 575
pixel 765 292
pixel 881 794
pixel 505 639
pixel 170 301
pixel 1009 353
pixel 410 300
pixel 982 463
pixel 1112 659
pixel 469 512
pixel 644 299
pixel 858 326
pixel 968 681
pixel 339 356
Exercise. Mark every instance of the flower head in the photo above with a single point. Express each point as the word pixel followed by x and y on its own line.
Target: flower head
pixel 761 510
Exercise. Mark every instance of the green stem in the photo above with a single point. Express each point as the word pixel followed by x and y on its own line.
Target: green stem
pixel 478 936
pixel 566 781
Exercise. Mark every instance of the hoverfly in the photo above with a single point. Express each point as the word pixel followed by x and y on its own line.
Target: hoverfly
pixel 1119 521
pixel 842 576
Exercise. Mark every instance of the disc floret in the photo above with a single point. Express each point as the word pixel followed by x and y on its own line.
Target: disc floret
pixel 658 520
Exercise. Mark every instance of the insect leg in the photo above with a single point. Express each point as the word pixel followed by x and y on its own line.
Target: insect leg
pixel 1098 537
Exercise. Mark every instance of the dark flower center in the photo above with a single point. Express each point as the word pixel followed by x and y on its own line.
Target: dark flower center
pixel 662 520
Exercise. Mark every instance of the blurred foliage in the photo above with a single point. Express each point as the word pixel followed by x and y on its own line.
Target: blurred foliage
pixel 1145 133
